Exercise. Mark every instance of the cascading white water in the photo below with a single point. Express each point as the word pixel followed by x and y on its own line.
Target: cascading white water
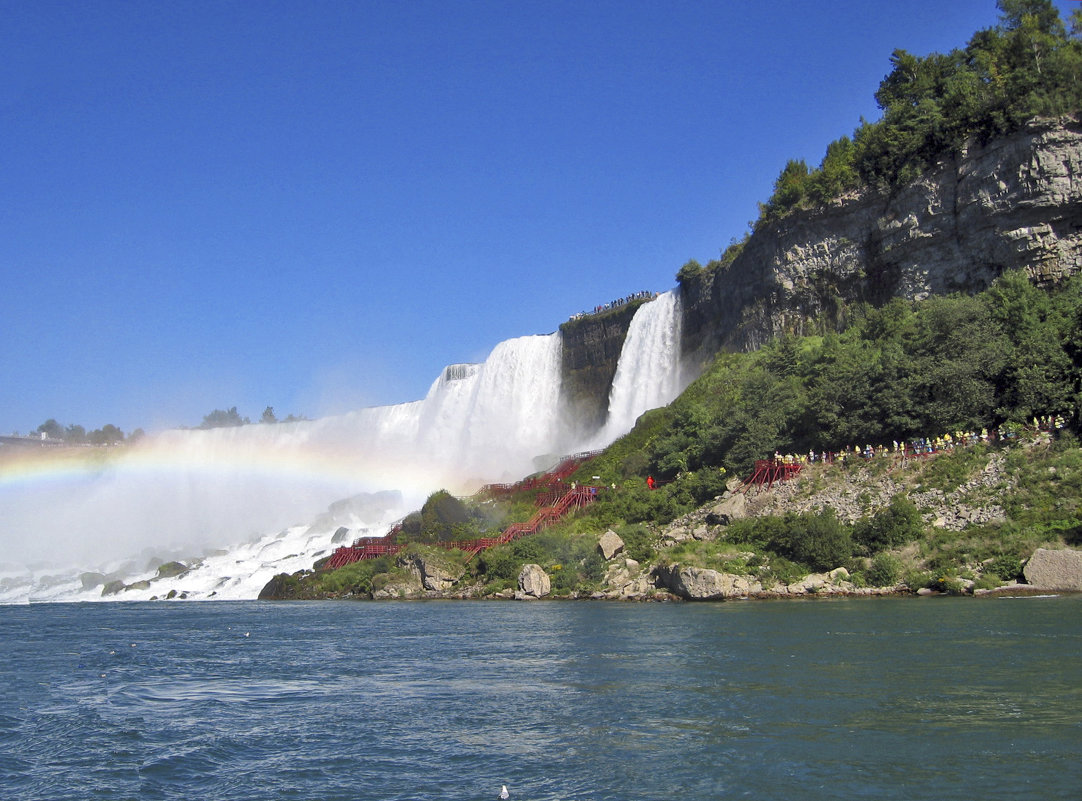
pixel 648 374
pixel 490 422
pixel 180 493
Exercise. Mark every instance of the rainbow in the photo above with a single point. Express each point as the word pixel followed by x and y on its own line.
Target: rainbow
pixel 311 464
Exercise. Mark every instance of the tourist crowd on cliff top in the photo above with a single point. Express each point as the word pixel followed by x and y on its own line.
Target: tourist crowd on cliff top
pixel 924 446
pixel 615 304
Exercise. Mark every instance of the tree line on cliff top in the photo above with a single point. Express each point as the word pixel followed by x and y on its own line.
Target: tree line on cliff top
pixel 1029 65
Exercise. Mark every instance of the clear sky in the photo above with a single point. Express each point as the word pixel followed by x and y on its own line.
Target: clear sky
pixel 316 205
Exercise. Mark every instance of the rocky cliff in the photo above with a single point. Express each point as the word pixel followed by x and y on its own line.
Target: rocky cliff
pixel 1014 203
pixel 591 351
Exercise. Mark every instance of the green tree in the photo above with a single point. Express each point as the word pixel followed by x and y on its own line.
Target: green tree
pixel 790 189
pixel 691 270
pixel 51 429
pixel 108 434
pixel 1037 373
pixel 837 172
pixel 443 518
pixel 268 416
pixel 891 526
pixel 224 419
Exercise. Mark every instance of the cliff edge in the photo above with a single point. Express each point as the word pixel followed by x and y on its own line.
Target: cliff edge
pixel 1014 203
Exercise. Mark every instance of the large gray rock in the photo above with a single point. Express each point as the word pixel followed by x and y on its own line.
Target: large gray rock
pixel 434 573
pixel 624 579
pixel 610 544
pixel 533 582
pixel 172 570
pixel 703 584
pixel 91 580
pixel 734 507
pixel 1055 570
pixel 408 586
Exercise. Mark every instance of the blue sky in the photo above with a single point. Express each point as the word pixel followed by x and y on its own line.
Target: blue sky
pixel 317 205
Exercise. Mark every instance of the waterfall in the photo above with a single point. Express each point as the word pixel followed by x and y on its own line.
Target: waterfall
pixel 180 493
pixel 648 373
pixel 490 422
pixel 210 498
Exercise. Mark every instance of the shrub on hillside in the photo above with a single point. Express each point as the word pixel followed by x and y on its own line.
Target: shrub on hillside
pixel 893 525
pixel 885 571
pixel 820 541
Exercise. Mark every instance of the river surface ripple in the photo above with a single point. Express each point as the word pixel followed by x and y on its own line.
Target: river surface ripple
pixel 871 698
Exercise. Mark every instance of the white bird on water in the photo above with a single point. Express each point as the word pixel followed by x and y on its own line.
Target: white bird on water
pixel 504 795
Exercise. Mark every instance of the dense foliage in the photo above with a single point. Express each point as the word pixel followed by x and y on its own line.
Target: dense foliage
pixel 1029 65
pixel 897 372
pixel 76 434
pixel 445 518
pixel 221 418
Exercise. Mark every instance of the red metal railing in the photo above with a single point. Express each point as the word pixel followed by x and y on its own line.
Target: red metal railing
pixel 555 503
pixel 767 471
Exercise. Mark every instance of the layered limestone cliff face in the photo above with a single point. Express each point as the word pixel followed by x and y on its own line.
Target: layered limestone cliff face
pixel 1015 203
pixel 591 351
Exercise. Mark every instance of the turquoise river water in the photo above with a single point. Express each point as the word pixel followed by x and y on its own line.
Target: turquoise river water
pixel 874 698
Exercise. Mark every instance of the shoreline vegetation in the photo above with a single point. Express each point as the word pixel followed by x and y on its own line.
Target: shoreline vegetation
pixel 959 521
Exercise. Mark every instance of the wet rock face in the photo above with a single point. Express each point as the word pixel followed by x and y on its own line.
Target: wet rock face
pixel 172 569
pixel 1055 570
pixel 591 351
pixel 1015 203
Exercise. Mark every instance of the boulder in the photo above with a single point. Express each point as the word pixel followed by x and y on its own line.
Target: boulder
pixel 1055 570
pixel 625 580
pixel 112 588
pixel 92 580
pixel 533 582
pixel 341 536
pixel 434 573
pixel 810 584
pixel 610 544
pixel 675 533
pixel 838 575
pixel 388 586
pixel 733 507
pixel 702 584
pixel 171 570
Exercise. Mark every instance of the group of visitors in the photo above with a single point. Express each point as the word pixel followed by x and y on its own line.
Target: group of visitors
pixel 923 446
pixel 615 304
pixel 1049 422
